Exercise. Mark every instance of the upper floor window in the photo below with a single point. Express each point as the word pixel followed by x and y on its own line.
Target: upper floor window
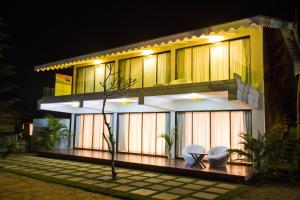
pixel 148 71
pixel 214 62
pixel 89 78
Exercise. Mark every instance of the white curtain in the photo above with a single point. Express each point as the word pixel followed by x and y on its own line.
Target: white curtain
pixel 219 63
pixel 162 128
pixel 200 64
pixel 79 131
pixel 184 63
pixel 110 77
pixel 99 77
pixel 123 132
pixel 124 69
pixel 220 129
pixel 238 126
pixel 136 68
pixel 150 70
pixel 163 68
pixel 87 131
pixel 201 129
pixel 98 131
pixel 149 133
pixel 89 79
pixel 135 133
pixel 240 58
pixel 80 80
pixel 187 130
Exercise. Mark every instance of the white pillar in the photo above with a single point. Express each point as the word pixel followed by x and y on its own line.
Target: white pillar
pixel 172 126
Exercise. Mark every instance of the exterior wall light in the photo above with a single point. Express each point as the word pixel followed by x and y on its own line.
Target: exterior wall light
pixel 213 38
pixel 146 52
pixel 97 62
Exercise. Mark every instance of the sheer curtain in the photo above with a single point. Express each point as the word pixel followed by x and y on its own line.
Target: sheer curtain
pixel 87 131
pixel 238 126
pixel 98 132
pixel 201 64
pixel 220 129
pixel 80 81
pixel 183 63
pixel 79 131
pixel 149 70
pixel 219 63
pixel 136 71
pixel 124 66
pixel 89 79
pixel 163 68
pixel 99 77
pixel 162 128
pixel 110 78
pixel 240 58
pixel 135 133
pixel 149 133
pixel 201 129
pixel 188 129
pixel 123 132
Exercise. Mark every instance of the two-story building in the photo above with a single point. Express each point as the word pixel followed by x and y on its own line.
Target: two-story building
pixel 211 83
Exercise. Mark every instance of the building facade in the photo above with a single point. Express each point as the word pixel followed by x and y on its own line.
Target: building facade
pixel 211 84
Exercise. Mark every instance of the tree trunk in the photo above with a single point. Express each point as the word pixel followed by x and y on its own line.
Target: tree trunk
pixel 298 109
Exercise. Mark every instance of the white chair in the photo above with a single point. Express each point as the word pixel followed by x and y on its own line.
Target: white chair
pixel 218 156
pixel 189 160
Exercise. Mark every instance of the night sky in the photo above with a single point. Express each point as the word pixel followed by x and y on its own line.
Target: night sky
pixel 43 32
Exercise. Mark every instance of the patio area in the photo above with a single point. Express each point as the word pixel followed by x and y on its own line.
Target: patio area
pixel 232 172
pixel 130 183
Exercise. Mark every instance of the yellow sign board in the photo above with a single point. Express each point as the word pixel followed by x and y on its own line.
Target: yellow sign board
pixel 63 84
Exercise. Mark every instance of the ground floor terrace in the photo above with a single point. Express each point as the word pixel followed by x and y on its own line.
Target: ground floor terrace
pixel 239 173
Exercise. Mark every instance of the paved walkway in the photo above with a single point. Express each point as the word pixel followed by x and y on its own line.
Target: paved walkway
pixel 134 184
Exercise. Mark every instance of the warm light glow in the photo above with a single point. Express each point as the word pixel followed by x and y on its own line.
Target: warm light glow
pixel 146 52
pixel 194 96
pixel 74 104
pixel 30 129
pixel 123 100
pixel 149 60
pixel 97 62
pixel 213 38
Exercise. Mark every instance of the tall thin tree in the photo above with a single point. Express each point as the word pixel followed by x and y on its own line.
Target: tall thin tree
pixel 113 84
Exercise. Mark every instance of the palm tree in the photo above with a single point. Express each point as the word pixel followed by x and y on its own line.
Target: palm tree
pixel 255 151
pixel 48 137
pixel 170 140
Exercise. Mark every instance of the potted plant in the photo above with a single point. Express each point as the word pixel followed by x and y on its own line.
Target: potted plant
pixel 170 139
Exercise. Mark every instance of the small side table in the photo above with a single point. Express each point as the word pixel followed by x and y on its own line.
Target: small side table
pixel 198 159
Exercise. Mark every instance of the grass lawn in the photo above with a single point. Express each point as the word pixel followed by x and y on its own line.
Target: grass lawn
pixel 272 191
pixel 23 188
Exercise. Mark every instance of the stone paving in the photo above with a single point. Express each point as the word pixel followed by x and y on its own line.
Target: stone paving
pixel 129 183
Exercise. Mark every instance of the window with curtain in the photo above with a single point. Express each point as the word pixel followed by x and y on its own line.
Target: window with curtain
pixel 219 61
pixel 89 78
pixel 163 68
pixel 89 131
pixel 80 80
pixel 138 132
pixel 150 63
pixel 200 67
pixel 210 129
pixel 183 63
pixel 240 58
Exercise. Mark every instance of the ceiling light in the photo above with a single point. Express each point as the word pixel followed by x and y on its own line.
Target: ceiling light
pixel 97 62
pixel 213 38
pixel 146 52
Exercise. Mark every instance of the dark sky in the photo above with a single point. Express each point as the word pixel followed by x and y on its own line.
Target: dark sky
pixel 42 32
